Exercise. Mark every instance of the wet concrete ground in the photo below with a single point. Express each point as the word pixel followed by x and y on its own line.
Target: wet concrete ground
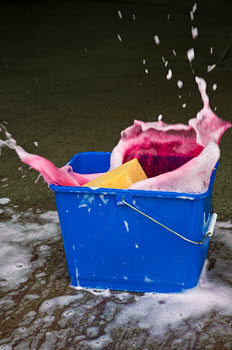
pixel 39 309
pixel 70 84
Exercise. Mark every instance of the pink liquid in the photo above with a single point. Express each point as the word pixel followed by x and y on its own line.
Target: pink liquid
pixel 52 175
pixel 179 157
pixel 175 157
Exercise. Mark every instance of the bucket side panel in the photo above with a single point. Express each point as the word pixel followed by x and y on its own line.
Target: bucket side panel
pixel 115 247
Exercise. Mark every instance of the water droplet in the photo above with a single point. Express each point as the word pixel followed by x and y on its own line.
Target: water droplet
pixel 211 67
pixel 214 87
pixel 119 14
pixel 169 75
pixel 194 32
pixel 190 55
pixel 119 37
pixel 157 40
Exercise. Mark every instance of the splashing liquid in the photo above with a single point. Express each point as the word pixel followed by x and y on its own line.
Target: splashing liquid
pixel 178 158
pixel 175 157
pixel 52 175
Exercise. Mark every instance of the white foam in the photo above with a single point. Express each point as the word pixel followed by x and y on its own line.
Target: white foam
pixel 186 197
pixel 227 224
pixel 119 37
pixel 98 343
pixel 211 67
pixel 194 32
pixel 214 87
pixel 53 304
pixel 4 201
pixel 194 7
pixel 104 200
pixel 126 225
pixel 148 313
pixel 156 313
pixel 169 75
pixel 193 11
pixel 91 322
pixel 92 331
pixel 18 242
pixel 82 206
pixel 119 14
pixel 147 280
pixel 180 84
pixel 96 292
pixel 157 40
pixel 190 55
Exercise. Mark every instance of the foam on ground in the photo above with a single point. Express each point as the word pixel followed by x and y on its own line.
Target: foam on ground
pixel 89 319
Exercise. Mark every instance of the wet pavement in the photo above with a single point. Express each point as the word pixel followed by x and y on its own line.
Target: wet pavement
pixel 40 310
pixel 73 75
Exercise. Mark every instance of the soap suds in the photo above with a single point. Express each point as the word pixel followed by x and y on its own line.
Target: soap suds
pixel 4 201
pixel 119 14
pixel 104 200
pixel 157 40
pixel 194 32
pixel 195 145
pixel 214 87
pixel 169 75
pixel 126 225
pixel 211 67
pixel 20 242
pixel 90 318
pixel 119 37
pixel 190 55
pixel 180 84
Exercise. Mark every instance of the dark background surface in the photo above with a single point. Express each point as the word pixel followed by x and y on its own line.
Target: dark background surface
pixel 67 82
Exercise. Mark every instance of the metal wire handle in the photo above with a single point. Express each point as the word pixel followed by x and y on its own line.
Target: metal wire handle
pixel 209 233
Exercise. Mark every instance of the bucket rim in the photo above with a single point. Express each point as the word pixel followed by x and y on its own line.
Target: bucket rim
pixel 135 193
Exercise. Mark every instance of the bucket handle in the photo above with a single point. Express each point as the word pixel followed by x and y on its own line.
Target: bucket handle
pixel 209 232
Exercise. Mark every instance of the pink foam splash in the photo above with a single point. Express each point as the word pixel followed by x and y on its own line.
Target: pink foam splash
pixel 64 176
pixel 192 177
pixel 207 125
pixel 159 147
pixel 178 157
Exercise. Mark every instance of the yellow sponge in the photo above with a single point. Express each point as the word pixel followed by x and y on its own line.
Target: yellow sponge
pixel 121 177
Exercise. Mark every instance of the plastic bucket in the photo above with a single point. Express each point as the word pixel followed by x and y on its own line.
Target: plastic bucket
pixel 110 243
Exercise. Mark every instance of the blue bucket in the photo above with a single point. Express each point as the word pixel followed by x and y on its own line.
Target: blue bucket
pixel 132 240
